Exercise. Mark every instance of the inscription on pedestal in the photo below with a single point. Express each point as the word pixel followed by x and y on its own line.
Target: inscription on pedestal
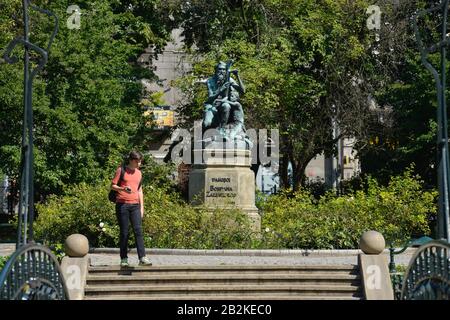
pixel 225 187
pixel 221 187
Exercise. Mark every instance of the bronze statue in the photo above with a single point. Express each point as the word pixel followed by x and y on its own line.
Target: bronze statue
pixel 222 109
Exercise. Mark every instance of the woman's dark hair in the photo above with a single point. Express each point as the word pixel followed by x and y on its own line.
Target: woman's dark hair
pixel 135 155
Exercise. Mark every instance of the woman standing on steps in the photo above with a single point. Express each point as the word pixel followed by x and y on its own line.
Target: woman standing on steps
pixel 130 206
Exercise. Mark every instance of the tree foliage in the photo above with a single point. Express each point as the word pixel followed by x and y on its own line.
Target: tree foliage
pixel 86 102
pixel 411 97
pixel 304 63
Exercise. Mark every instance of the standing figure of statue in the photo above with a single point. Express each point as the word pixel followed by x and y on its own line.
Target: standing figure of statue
pixel 222 109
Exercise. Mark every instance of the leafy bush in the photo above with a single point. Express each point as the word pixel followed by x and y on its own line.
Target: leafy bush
pixel 81 210
pixel 58 250
pixel 3 260
pixel 297 220
pixel 168 221
pixel 398 211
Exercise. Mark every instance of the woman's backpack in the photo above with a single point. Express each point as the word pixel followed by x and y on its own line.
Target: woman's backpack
pixel 113 193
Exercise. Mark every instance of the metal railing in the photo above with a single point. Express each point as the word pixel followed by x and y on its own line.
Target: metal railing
pixel 32 273
pixel 397 277
pixel 428 273
pixel 397 284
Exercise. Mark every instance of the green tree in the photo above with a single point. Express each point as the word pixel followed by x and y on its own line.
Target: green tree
pixel 304 62
pixel 410 136
pixel 87 100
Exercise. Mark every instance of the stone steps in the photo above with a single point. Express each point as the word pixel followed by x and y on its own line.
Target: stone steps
pixel 220 297
pixel 250 278
pixel 224 282
pixel 229 269
pixel 239 288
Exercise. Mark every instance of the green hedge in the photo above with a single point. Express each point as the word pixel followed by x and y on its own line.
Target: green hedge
pixel 3 260
pixel 399 211
pixel 297 220
pixel 168 221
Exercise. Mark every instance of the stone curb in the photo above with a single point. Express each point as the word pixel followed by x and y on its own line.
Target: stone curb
pixel 246 252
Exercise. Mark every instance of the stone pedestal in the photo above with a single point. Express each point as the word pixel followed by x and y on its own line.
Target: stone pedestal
pixel 224 180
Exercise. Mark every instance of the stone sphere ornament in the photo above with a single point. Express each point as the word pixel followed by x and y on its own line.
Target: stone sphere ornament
pixel 76 245
pixel 372 242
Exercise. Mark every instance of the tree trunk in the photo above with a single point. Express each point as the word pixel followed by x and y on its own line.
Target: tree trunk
pixel 285 152
pixel 299 175
pixel 284 180
pixel 294 170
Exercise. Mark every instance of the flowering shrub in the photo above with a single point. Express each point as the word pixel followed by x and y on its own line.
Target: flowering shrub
pixel 398 211
pixel 298 220
pixel 168 221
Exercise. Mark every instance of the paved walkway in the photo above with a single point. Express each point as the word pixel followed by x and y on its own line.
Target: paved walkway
pixel 110 256
pixel 244 258
pixel 7 249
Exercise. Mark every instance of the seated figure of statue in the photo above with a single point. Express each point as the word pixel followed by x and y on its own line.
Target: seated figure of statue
pixel 222 110
pixel 231 116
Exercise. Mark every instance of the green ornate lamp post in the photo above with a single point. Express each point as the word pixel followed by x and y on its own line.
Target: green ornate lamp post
pixel 442 136
pixel 26 201
pixel 32 272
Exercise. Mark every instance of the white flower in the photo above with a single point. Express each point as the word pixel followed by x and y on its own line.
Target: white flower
pixel 103 229
pixel 101 224
pixel 267 229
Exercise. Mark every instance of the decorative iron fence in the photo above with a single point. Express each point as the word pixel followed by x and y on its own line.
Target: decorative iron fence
pixel 32 273
pixel 397 283
pixel 396 275
pixel 428 273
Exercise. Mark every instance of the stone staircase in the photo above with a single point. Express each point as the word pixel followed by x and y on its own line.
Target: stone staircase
pixel 249 282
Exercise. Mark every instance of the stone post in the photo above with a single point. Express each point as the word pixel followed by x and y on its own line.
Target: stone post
pixel 373 265
pixel 75 265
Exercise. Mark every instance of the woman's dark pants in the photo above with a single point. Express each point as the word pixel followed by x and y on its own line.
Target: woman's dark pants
pixel 127 212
